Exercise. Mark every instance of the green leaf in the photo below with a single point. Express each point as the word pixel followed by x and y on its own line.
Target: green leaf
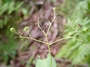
pixel 47 62
pixel 11 7
pixel 1 23
pixel 19 5
pixel 2 10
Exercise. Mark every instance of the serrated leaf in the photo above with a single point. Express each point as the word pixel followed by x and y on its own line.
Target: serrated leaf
pixel 47 62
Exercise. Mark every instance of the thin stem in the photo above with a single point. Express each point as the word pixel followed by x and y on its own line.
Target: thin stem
pixel 61 40
pixel 51 24
pixel 31 38
pixel 41 28
pixel 48 21
pixel 54 11
pixel 52 20
pixel 34 39
pixel 50 55
pixel 47 38
pixel 17 33
pixel 43 32
pixel 49 49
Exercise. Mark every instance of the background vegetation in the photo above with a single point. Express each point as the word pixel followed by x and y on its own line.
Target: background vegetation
pixel 77 26
pixel 9 15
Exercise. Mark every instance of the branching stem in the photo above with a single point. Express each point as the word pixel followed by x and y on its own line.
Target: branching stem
pixel 31 38
pixel 61 40
pixel 41 28
pixel 51 24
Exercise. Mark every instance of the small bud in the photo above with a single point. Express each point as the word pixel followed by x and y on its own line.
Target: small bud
pixel 38 18
pixel 54 8
pixel 12 29
pixel 26 28
pixel 71 33
pixel 85 29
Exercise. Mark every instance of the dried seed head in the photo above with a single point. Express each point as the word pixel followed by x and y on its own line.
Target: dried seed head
pixel 77 35
pixel 79 25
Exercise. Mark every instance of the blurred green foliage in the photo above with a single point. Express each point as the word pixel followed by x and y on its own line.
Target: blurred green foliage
pixel 67 7
pixel 7 10
pixel 78 49
pixel 9 15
